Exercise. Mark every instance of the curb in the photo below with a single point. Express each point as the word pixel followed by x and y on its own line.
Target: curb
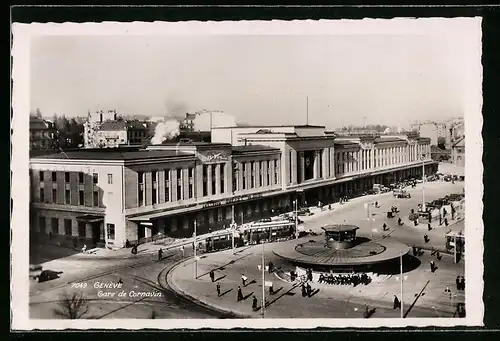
pixel 170 284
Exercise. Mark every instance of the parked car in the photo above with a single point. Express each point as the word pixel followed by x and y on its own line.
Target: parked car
pixel 305 212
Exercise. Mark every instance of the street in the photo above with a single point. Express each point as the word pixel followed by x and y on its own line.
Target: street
pixel 142 296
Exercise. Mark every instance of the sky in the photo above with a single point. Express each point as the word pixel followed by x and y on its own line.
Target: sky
pixel 391 79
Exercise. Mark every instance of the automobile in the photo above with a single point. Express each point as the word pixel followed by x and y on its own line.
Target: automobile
pixel 447 178
pixel 264 220
pixel 404 195
pixel 35 270
pixel 461 178
pixel 304 212
pixel 401 193
pixel 370 192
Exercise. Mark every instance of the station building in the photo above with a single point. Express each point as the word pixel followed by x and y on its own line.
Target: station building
pixel 105 197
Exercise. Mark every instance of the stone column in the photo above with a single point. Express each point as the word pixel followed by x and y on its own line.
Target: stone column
pixel 209 180
pixel 324 164
pixel 302 166
pixel 294 167
pixel 217 178
pixel 373 159
pixel 315 165
pixel 272 177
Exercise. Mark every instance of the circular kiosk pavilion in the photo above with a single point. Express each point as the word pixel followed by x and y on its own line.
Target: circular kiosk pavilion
pixel 341 251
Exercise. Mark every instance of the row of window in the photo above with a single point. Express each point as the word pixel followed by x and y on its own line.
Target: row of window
pixel 81 177
pixel 256 168
pixel 68 229
pixel 167 186
pixel 67 197
pixel 212 171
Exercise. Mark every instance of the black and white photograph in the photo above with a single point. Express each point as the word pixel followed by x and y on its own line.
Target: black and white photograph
pixel 254 174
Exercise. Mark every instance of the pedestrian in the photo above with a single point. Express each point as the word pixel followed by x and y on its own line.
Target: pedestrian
pixel 399 221
pixel 244 280
pixel 218 290
pixel 376 204
pixel 240 294
pixel 182 250
pixel 254 303
pixel 84 248
pixel 429 227
pixel 271 289
pixel 397 303
pixel 329 207
pixel 50 235
pixel 438 255
pixel 445 221
pixel 458 282
pixel 212 275
pixel 462 283
pixel 433 266
pixel 270 267
pixel 310 275
pixel 308 290
pixel 426 238
pixel 384 227
pixel 160 254
pixel 303 290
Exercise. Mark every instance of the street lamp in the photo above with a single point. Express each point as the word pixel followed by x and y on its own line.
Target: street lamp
pixel 194 252
pixel 263 283
pixel 423 182
pixel 296 220
pixel 233 228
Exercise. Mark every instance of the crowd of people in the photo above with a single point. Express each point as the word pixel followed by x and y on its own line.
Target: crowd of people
pixel 351 279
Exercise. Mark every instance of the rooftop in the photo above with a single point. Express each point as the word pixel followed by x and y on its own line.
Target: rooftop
pixel 253 148
pixel 339 228
pixel 112 154
pixel 272 126
pixel 113 125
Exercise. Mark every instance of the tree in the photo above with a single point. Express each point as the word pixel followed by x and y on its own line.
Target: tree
pixel 72 306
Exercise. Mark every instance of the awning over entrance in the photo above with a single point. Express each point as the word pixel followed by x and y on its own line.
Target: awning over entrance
pixel 90 218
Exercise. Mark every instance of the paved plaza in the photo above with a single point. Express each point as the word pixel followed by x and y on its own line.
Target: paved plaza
pixel 425 293
pixel 183 296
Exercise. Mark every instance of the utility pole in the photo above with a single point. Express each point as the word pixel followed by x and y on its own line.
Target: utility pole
pixel 263 283
pixel 296 221
pixel 401 273
pixel 233 224
pixel 423 182
pixel 194 251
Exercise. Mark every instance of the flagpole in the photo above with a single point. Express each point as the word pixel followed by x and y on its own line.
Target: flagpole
pixel 194 251
pixel 263 283
pixel 232 229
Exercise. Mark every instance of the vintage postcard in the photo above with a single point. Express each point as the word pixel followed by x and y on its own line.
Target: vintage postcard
pixel 254 174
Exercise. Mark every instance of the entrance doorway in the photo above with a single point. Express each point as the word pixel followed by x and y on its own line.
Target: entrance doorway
pixel 96 233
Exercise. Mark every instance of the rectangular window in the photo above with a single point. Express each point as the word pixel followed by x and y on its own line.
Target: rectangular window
pixel 66 177
pixel 42 224
pixel 252 174
pixel 67 197
pixel 205 180
pixel 179 184
pixel 276 172
pixel 95 178
pixel 110 179
pixel 81 197
pixel 80 178
pixel 320 159
pixel 96 198
pixel 268 173
pixel 54 176
pixel 214 168
pixel 110 231
pixel 222 175
pixel 54 196
pixel 81 229
pixel 41 176
pixel 42 195
pixel 167 185
pixel 235 177
pixel 290 168
pixel 67 227
pixel 55 225
pixel 191 182
pixel 140 189
pixel 245 168
pixel 154 191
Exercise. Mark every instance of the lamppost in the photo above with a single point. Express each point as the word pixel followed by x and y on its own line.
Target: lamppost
pixel 296 219
pixel 423 182
pixel 194 252
pixel 263 283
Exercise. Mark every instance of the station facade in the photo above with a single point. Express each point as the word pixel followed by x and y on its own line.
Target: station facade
pixel 105 197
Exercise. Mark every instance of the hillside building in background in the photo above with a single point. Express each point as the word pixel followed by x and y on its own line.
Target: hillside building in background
pixel 42 133
pixel 107 130
pixel 458 152
pixel 108 196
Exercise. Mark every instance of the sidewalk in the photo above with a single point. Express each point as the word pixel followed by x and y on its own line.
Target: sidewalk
pixel 330 301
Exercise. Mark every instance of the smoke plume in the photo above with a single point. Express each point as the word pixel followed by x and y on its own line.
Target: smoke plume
pixel 165 131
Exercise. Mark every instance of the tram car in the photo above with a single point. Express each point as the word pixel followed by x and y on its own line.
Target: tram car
pixel 222 241
pixel 268 232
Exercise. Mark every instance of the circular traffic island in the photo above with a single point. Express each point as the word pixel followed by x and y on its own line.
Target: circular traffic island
pixel 341 251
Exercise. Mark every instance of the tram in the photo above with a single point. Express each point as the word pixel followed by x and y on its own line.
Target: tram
pixel 274 231
pixel 455 243
pixel 223 240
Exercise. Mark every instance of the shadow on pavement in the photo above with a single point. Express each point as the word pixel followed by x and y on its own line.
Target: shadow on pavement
pixel 223 267
pixel 251 282
pixel 277 291
pixel 225 292
pixel 218 279
pixel 247 296
pixel 288 292
pixel 314 292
